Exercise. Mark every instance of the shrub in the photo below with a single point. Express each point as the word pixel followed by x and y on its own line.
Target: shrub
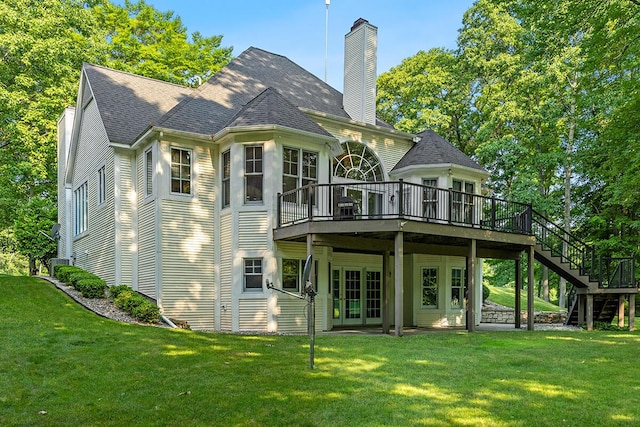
pixel 136 305
pixel 91 287
pixel 114 291
pixel 486 292
pixel 62 272
pixel 80 275
pixel 146 312
pixel 128 301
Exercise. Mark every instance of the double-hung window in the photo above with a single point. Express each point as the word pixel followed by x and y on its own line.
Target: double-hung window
pixel 226 178
pixel 430 198
pixel 102 186
pixel 299 168
pixel 148 172
pixel 430 287
pixel 80 209
pixel 458 280
pixel 252 274
pixel 463 201
pixel 253 175
pixel 291 274
pixel 180 171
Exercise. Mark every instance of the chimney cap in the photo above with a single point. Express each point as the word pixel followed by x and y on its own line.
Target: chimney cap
pixel 358 22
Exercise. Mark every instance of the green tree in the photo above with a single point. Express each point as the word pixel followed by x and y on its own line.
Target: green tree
pixel 42 45
pixel 155 44
pixel 33 223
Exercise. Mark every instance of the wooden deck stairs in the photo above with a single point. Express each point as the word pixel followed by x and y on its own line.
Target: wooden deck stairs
pixel 599 284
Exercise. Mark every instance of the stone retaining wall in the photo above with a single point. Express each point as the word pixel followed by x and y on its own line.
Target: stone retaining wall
pixel 497 315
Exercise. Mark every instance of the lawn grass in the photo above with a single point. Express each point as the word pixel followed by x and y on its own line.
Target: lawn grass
pixel 506 297
pixel 86 370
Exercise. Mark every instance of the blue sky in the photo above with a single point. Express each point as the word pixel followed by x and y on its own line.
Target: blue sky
pixel 296 28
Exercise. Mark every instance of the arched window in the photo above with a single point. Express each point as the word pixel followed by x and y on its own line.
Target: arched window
pixel 357 162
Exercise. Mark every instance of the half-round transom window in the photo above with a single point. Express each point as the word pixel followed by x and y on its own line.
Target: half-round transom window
pixel 357 162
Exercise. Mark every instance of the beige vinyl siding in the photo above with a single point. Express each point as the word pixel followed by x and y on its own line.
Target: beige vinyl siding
pixel 95 249
pixel 125 218
pixel 187 248
pixel 252 314
pixel 253 228
pixel 147 247
pixel 292 314
pixel 187 265
pixel 147 250
pixel 226 277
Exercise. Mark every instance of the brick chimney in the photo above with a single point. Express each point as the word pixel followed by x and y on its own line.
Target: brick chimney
pixel 360 71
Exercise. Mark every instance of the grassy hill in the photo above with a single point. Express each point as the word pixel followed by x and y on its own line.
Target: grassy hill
pixel 506 297
pixel 62 365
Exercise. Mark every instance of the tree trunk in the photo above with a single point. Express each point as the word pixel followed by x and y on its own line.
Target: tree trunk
pixel 567 184
pixel 32 267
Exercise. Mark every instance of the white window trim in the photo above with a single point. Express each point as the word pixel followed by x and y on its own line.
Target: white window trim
pixel 149 163
pixel 191 192
pixel 244 275
pixel 81 209
pixel 247 174
pixel 102 185
pixel 224 179
pixel 430 307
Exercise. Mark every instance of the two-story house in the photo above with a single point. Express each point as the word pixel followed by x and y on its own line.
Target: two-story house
pixel 198 198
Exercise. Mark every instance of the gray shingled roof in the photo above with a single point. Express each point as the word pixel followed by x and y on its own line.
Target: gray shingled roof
pixel 128 103
pixel 244 78
pixel 270 108
pixel 432 149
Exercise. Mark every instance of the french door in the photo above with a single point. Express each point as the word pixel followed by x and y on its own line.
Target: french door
pixel 357 296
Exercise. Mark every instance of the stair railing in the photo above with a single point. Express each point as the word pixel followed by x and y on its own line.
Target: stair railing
pixel 569 248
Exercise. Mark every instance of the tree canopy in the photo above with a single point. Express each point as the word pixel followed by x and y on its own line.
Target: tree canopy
pixel 546 97
pixel 43 45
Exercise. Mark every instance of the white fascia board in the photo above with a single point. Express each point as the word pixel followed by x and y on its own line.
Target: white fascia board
pixel 439 168
pixel 229 132
pixel 154 131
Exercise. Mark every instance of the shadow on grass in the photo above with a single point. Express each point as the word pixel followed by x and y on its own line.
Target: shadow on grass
pixel 85 370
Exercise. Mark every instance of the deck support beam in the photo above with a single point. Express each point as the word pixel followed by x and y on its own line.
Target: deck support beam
pixel 621 300
pixel 386 291
pixel 398 281
pixel 632 312
pixel 530 286
pixel 589 312
pixel 518 302
pixel 471 285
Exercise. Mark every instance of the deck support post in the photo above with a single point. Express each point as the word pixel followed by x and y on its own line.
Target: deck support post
pixel 589 312
pixel 530 286
pixel 632 312
pixel 471 286
pixel 518 302
pixel 581 306
pixel 398 281
pixel 386 291
pixel 621 300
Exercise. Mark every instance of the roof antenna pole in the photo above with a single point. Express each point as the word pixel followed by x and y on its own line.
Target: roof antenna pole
pixel 326 37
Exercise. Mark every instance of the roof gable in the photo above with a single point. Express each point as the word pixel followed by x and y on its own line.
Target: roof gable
pixel 432 149
pixel 271 108
pixel 128 103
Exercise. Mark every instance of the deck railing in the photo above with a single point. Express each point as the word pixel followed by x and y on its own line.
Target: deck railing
pixel 399 199
pixel 609 272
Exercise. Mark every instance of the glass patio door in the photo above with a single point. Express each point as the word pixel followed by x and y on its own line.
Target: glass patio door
pixel 356 296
